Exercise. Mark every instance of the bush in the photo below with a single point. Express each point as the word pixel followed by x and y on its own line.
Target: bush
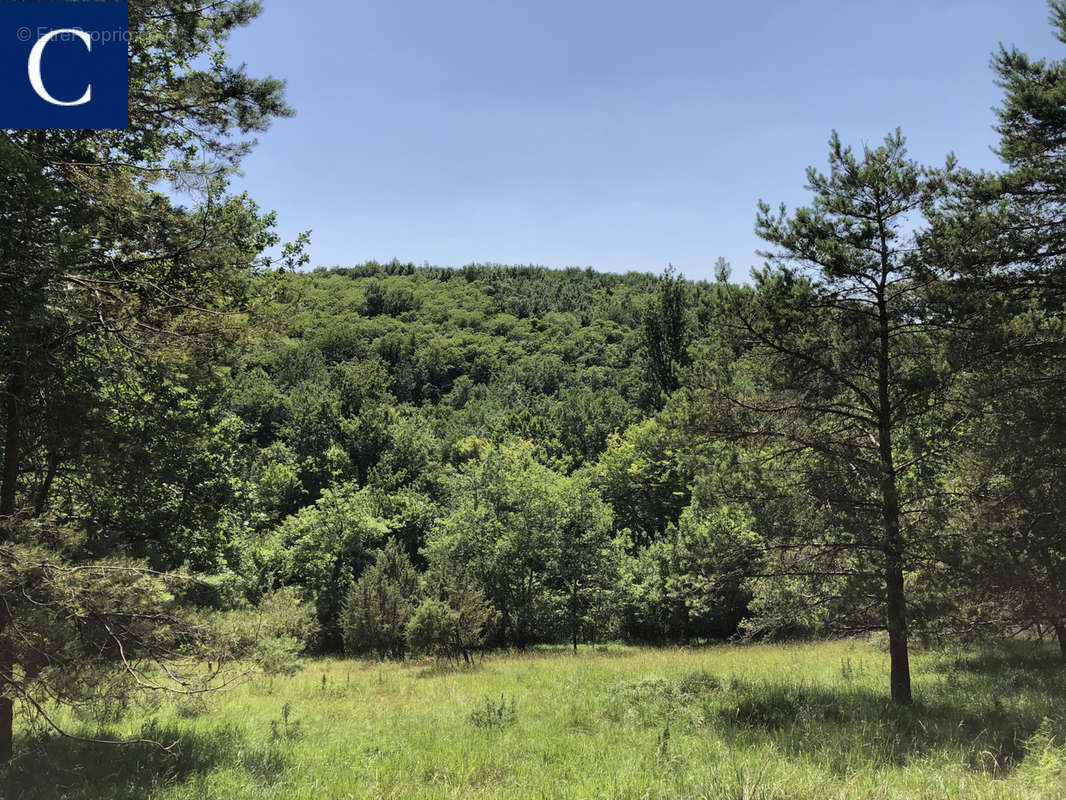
pixel 279 655
pixel 380 604
pixel 282 623
pixel 319 550
pixel 431 628
pixel 455 612
pixel 284 614
pixel 491 714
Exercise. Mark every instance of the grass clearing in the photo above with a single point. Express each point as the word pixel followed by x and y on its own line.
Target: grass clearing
pixel 753 722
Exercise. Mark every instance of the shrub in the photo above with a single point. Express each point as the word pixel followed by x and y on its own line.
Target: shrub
pixel 456 615
pixel 275 633
pixel 430 629
pixel 491 714
pixel 279 655
pixel 380 605
pixel 284 614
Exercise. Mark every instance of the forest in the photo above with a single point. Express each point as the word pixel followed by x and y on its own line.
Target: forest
pixel 219 463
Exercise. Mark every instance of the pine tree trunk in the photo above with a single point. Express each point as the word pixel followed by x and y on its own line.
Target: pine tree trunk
pixel 7 706
pixel 896 618
pixel 1060 633
pixel 895 599
pixel 574 622
pixel 41 502
pixel 892 540
pixel 16 388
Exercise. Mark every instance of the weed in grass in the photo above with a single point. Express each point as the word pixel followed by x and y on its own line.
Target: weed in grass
pixel 333 689
pixel 662 746
pixel 698 683
pixel 1045 758
pixel 657 699
pixel 286 728
pixel 688 687
pixel 491 714
pixel 849 671
pixel 438 669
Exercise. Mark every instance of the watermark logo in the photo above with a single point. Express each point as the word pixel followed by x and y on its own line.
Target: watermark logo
pixel 64 65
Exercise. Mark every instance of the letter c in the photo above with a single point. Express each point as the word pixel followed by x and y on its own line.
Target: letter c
pixel 34 67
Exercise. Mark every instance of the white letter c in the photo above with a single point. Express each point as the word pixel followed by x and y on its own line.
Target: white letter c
pixel 35 67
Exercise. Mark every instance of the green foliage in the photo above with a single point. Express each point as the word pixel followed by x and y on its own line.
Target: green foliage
pixel 1003 234
pixel 380 604
pixel 394 458
pixel 1045 762
pixel 458 362
pixel 279 655
pixel 275 633
pixel 494 714
pixel 537 541
pixel 285 728
pixel 453 619
pixel 114 297
pixel 709 557
pixel 692 583
pixel 279 491
pixel 640 475
pixel 844 388
pixel 582 564
pixel 283 613
pixel 667 331
pixel 430 629
pixel 89 634
pixel 321 550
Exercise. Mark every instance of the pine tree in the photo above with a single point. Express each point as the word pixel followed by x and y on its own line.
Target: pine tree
pixel 838 374
pixel 380 605
pixel 100 274
pixel 1004 238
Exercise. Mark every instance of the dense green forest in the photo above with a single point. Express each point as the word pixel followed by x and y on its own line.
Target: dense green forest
pixel 212 457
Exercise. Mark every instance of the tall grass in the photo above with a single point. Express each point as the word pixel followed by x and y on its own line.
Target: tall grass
pixel 755 722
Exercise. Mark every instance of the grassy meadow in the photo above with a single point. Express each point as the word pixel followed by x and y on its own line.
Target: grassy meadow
pixel 755 722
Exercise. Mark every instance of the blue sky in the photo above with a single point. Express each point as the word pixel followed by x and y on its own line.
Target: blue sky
pixel 617 135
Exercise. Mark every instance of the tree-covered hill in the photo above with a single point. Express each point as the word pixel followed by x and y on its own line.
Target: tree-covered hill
pixel 378 391
pixel 556 357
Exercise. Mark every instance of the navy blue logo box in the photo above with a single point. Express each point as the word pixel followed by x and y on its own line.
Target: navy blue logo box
pixel 64 65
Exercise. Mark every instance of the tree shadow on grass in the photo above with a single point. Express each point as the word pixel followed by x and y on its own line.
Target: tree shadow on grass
pixel 440 669
pixel 855 729
pixel 977 709
pixel 1010 666
pixel 53 766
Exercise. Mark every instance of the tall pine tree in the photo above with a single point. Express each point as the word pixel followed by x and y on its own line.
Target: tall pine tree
pixel 838 372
